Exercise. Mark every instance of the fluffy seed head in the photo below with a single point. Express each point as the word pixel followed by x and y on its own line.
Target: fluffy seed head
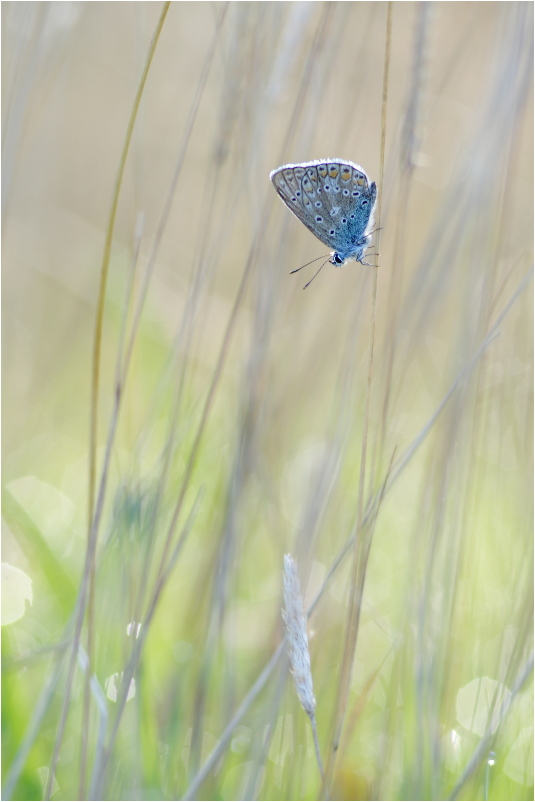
pixel 296 636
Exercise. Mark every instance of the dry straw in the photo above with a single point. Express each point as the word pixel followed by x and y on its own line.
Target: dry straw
pixel 296 637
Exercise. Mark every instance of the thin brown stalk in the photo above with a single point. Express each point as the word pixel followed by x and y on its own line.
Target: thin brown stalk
pixel 92 531
pixel 121 380
pixel 352 623
pixel 409 152
pixel 152 259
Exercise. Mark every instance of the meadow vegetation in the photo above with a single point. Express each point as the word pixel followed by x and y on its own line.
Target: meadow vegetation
pixel 178 414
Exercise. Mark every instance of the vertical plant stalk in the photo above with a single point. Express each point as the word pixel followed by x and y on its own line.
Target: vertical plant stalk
pixel 410 145
pixel 357 577
pixel 88 577
pixel 297 640
pixel 97 781
pixel 92 534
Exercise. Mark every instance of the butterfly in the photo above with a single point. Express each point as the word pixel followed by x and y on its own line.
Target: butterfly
pixel 335 200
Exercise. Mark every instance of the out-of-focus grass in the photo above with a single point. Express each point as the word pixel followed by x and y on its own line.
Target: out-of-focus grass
pixel 276 380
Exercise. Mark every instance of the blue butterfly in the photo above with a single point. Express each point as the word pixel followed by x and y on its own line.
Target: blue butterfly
pixel 335 200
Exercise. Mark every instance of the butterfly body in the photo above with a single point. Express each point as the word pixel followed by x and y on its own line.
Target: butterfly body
pixel 334 199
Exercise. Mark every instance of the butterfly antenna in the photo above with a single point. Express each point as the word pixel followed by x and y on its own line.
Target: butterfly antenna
pixel 315 274
pixel 297 269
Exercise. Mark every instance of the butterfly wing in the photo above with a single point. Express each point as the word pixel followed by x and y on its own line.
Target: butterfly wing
pixel 300 198
pixel 332 198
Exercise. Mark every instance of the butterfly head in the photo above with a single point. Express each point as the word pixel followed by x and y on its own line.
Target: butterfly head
pixel 355 251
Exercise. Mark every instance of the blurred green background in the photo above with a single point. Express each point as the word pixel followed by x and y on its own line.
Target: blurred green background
pixel 238 437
